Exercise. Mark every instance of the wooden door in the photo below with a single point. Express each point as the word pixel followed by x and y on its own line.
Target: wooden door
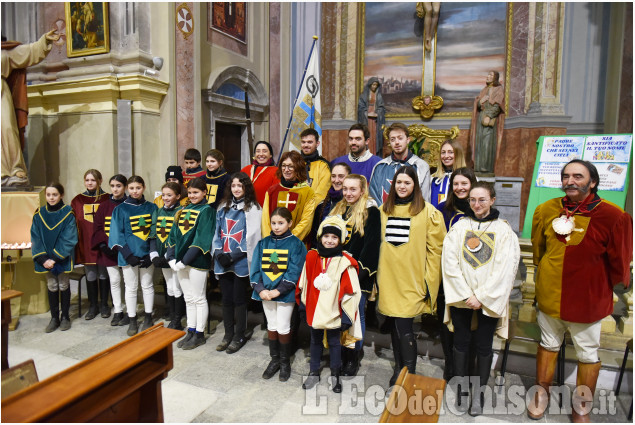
pixel 228 142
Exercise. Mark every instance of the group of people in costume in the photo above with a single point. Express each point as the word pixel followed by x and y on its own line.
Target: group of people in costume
pixel 322 244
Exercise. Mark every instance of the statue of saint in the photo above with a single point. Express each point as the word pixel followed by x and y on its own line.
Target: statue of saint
pixel 488 119
pixel 371 112
pixel 429 12
pixel 15 59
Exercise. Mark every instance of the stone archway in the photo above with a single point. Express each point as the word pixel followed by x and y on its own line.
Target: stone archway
pixel 225 105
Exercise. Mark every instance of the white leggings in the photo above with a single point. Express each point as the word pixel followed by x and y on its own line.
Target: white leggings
pixel 278 316
pixel 172 282
pixel 114 273
pixel 131 276
pixel 193 283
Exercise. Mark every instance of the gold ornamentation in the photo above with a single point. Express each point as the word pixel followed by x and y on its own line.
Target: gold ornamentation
pixel 185 20
pixel 427 105
pixel 432 139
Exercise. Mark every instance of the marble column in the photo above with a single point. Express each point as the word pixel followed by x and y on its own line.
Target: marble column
pixel 544 59
pixel 184 53
pixel 274 76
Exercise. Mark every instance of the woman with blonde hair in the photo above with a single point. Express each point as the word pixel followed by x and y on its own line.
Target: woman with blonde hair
pixel 451 158
pixel 363 221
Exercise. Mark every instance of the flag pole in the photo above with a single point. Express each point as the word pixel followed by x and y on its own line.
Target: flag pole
pixel 315 38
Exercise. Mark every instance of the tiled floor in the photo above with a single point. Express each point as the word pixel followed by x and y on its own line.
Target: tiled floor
pixel 208 386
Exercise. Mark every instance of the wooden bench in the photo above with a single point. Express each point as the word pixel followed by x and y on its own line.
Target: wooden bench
pixel 120 384
pixel 7 295
pixel 414 399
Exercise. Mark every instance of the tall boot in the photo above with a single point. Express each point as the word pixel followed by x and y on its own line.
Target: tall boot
pixel 371 315
pixel 240 336
pixel 335 377
pixel 91 288
pixel 179 309
pixel 285 357
pixel 170 303
pixel 484 365
pixel 104 292
pixel 409 352
pixel 54 305
pixel 582 400
pixel 350 360
pixel 396 350
pixel 228 324
pixel 447 342
pixel 545 368
pixel 274 352
pixel 65 297
pixel 462 380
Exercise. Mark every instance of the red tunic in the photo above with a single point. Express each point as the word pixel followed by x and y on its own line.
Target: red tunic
pixel 102 231
pixel 85 208
pixel 575 277
pixel 262 178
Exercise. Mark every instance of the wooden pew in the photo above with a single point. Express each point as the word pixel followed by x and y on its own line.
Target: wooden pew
pixel 120 384
pixel 7 295
pixel 414 399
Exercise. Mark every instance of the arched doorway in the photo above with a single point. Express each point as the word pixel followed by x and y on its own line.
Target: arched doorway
pixel 225 102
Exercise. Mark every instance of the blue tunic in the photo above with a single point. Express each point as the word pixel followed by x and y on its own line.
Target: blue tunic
pixel 275 262
pixel 440 190
pixel 231 237
pixel 364 168
pixel 54 235
pixel 131 227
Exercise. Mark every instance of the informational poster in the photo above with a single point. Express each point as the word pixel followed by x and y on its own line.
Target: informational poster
pixel 557 151
pixel 610 153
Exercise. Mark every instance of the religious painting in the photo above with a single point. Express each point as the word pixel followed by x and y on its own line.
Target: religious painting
pixel 230 18
pixel 471 39
pixel 393 52
pixel 87 31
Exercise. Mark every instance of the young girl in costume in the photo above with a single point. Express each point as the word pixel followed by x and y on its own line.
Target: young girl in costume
pixel 235 238
pixel 189 256
pixel 451 157
pixel 53 240
pixel 364 225
pixel 216 176
pixel 106 257
pixel 171 195
pixel 85 206
pixel 329 291
pixel 409 269
pixel 275 269
pixel 132 226
pixel 480 259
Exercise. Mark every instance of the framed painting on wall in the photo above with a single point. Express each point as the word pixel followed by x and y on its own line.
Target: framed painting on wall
pixel 87 31
pixel 230 18
pixel 471 40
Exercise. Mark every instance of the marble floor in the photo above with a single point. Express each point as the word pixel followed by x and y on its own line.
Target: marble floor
pixel 208 386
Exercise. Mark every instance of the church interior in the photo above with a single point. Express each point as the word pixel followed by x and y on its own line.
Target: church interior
pixel 159 78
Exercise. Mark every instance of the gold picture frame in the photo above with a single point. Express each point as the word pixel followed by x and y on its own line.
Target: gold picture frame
pixel 87 30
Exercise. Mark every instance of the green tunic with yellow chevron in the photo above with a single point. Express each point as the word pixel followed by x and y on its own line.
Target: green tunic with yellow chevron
pixel 194 227
pixel 165 221
pixel 131 227
pixel 277 264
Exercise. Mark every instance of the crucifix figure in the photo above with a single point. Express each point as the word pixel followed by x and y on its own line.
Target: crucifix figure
pixel 428 103
pixel 429 12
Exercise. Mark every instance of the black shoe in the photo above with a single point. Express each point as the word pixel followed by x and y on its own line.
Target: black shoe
pixel 93 310
pixel 189 335
pixel 53 324
pixel 311 380
pixel 484 365
pixel 409 352
pixel 65 324
pixel 335 379
pixel 285 362
pixel 147 322
pixel 194 341
pixel 133 327
pixel 351 363
pixel 274 364
pixel 236 345
pixel 461 379
pixel 175 324
pixel 104 292
pixel 116 318
pixel 223 344
pixel 105 311
pixel 125 320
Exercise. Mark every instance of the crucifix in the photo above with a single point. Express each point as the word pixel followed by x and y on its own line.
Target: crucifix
pixel 428 103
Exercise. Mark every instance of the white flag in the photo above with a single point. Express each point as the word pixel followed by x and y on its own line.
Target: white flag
pixel 307 108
